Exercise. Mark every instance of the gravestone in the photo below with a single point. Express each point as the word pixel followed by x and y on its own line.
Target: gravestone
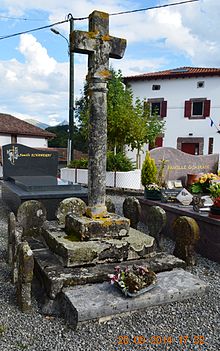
pixel 31 216
pixel 31 174
pixel 70 205
pixel 156 221
pixel 186 232
pixel 132 210
pixel 179 164
pixel 25 263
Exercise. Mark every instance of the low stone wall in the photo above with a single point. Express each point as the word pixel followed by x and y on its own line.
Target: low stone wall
pixel 209 242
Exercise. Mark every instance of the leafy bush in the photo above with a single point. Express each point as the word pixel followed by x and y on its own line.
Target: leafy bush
pixel 119 162
pixel 82 163
pixel 149 171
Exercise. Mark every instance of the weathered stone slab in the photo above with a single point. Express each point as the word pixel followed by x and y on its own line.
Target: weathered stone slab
pixel 94 301
pixel 55 276
pixel 79 253
pixel 86 228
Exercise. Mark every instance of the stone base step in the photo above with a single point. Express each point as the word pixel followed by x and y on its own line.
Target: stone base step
pixel 95 301
pixel 55 276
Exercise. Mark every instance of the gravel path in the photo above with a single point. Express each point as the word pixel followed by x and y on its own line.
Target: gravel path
pixel 161 324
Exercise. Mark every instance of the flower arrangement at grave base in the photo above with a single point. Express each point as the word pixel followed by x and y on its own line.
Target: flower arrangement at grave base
pixel 133 280
pixel 203 184
pixel 215 194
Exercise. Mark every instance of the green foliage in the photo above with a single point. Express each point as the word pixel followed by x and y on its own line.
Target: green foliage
pixel 118 162
pixel 128 124
pixel 62 135
pixel 215 190
pixel 149 171
pixel 145 127
pixel 82 163
pixel 196 188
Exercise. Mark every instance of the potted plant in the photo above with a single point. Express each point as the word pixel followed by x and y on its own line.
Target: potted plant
pixel 203 184
pixel 149 178
pixel 215 194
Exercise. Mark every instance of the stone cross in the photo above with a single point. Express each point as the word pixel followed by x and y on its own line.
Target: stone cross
pixel 100 46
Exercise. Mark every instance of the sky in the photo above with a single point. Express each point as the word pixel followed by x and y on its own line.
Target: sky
pixel 34 67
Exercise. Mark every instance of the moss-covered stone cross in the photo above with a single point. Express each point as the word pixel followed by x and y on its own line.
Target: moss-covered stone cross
pixel 100 46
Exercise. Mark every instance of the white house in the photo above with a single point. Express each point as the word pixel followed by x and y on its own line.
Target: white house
pixel 14 130
pixel 188 99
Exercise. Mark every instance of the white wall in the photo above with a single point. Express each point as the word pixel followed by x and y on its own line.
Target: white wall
pixel 176 92
pixel 32 142
pixel 28 141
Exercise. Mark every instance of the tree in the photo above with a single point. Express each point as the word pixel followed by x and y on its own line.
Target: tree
pixel 128 123
pixel 62 135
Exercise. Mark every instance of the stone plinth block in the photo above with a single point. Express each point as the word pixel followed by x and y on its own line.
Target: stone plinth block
pixel 79 253
pixel 94 301
pixel 85 228
pixel 54 276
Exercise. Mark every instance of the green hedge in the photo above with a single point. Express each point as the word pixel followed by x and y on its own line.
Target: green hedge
pixel 118 162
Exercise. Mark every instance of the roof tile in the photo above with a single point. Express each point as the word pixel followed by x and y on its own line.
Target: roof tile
pixel 12 125
pixel 182 72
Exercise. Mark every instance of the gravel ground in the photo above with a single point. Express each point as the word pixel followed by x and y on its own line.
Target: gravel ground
pixel 190 321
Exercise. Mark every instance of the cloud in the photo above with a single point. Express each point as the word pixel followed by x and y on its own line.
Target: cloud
pixel 37 82
pixel 39 86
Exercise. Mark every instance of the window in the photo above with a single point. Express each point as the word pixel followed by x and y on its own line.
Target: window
pixel 155 87
pixel 200 84
pixel 197 108
pixel 158 107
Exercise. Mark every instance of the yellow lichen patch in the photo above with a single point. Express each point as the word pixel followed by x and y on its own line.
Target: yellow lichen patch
pixel 72 237
pixel 106 37
pixel 92 35
pixel 105 73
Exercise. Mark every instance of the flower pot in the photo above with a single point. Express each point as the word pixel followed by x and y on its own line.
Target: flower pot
pixel 152 194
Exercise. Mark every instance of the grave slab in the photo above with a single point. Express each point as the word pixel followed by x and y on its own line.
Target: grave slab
pixel 31 174
pixel 94 301
pixel 81 253
pixel 50 270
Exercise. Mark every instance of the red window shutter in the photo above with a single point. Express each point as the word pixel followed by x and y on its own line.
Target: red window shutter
pixel 187 110
pixel 159 142
pixel 207 104
pixel 164 109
